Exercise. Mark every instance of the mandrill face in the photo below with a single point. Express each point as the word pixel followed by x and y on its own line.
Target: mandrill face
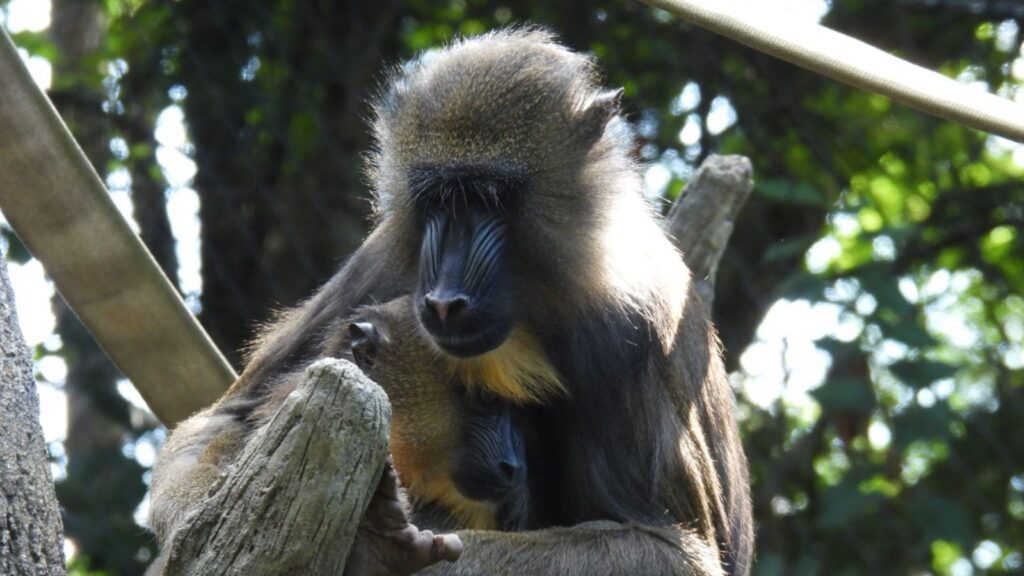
pixel 464 296
pixel 484 169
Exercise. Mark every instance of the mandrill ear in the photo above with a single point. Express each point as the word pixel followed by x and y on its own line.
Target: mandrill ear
pixel 364 341
pixel 601 110
pixel 608 103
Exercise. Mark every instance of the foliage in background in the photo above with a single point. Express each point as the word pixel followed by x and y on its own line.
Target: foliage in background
pixel 906 457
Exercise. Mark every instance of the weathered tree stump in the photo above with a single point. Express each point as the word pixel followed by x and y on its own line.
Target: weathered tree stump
pixel 701 221
pixel 292 502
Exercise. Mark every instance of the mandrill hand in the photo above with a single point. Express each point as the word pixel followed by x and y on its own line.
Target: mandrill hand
pixel 388 545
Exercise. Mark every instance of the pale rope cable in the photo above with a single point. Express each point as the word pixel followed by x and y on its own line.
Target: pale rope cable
pixel 853 62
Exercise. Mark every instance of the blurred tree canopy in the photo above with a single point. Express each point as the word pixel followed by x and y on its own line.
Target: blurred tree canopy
pixel 903 456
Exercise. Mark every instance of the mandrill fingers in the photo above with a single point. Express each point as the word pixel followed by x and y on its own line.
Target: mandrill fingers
pixel 590 549
pixel 388 545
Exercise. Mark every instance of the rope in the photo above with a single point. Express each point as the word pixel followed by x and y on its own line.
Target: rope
pixel 860 65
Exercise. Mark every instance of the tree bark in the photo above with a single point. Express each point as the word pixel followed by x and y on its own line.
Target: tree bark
pixel 293 501
pixel 702 220
pixel 31 539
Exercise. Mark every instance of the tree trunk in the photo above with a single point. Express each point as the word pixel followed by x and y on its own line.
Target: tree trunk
pixel 31 539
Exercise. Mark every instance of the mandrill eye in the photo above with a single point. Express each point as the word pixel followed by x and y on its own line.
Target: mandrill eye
pixel 364 342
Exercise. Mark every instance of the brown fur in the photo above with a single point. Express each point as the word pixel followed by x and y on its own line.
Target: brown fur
pixel 191 461
pixel 589 549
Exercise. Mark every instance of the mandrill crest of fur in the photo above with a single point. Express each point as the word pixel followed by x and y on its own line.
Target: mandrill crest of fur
pixel 517 89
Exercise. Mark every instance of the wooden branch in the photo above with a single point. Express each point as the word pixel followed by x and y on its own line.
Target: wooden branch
pixel 292 502
pixel 850 61
pixel 702 219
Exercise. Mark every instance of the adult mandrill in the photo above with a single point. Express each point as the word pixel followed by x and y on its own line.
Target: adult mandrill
pixel 508 204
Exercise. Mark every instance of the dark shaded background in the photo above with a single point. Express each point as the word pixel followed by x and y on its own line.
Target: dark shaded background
pixel 922 219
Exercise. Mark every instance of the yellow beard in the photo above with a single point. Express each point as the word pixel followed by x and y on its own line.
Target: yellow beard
pixel 517 371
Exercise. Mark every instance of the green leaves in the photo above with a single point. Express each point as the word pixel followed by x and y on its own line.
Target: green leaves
pixel 940 518
pixel 921 373
pixel 845 393
pixel 845 503
pixel 792 192
pixel 918 423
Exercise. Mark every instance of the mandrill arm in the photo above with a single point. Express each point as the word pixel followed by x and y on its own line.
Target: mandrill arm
pixel 589 549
